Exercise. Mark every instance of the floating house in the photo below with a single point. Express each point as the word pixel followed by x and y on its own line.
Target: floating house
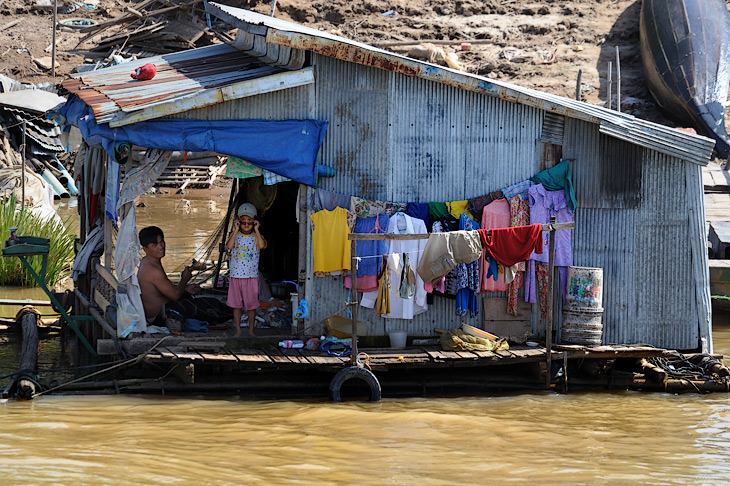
pixel 398 129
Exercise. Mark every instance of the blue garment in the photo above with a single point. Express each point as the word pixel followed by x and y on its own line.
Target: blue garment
pixel 368 250
pixel 419 211
pixel 519 189
pixel 466 299
pixel 467 276
pixel 329 200
pixel 191 324
pixel 492 269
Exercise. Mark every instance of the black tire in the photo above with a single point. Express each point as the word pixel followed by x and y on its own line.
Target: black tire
pixel 355 372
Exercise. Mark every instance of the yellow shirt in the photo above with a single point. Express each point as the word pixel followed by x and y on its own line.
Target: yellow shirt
pixel 329 240
pixel 458 207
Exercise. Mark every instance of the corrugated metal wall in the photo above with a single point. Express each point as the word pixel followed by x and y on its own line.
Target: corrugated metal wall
pixel 632 221
pixel 403 139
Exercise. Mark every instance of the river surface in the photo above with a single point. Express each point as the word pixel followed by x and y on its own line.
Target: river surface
pixel 610 438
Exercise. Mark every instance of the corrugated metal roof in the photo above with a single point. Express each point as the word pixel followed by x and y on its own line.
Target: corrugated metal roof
pixel 184 80
pixel 692 148
pixel 33 100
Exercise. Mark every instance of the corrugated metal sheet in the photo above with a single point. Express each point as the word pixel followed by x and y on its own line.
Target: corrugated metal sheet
pixel 184 80
pixel 637 240
pixel 688 147
pixel 402 139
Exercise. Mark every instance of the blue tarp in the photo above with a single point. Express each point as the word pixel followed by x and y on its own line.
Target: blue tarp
pixel 287 147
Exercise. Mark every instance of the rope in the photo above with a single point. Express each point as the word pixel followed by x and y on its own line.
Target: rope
pixel 131 361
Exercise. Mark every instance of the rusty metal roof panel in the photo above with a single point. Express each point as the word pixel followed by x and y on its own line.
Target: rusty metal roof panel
pixel 688 147
pixel 112 93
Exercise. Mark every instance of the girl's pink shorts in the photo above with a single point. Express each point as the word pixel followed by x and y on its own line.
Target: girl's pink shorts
pixel 243 291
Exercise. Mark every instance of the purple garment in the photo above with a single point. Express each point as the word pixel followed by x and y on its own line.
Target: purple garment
pixel 370 250
pixel 543 204
pixel 531 282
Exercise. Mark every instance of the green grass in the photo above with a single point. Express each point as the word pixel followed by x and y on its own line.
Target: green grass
pixel 60 256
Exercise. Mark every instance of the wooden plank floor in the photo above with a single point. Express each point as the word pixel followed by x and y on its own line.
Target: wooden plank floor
pixel 385 358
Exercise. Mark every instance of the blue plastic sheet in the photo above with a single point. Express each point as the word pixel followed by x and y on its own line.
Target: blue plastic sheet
pixel 287 147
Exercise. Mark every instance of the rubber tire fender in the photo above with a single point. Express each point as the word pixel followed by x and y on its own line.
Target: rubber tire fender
pixel 355 372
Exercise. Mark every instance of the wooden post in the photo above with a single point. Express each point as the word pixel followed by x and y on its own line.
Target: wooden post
pixel 577 85
pixel 22 172
pixel 53 43
pixel 26 386
pixel 549 320
pixel 222 248
pixel 353 300
pixel 609 91
pixel 618 81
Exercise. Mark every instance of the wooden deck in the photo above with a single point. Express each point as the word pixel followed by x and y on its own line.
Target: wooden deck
pixel 384 359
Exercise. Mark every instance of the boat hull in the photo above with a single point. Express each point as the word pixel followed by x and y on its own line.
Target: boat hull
pixel 685 50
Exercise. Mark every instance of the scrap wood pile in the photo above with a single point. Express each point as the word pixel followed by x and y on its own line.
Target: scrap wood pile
pixel 154 27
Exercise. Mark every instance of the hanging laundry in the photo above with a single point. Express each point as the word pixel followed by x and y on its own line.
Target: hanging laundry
pixel 437 210
pixel 241 169
pixel 329 240
pixel 392 207
pixel 519 212
pixel 365 208
pixel 536 283
pixel 467 276
pixel 383 299
pixel 477 204
pixel 329 199
pixel 403 308
pixel 443 251
pixel 543 205
pixel 369 252
pixel 512 245
pixel 457 208
pixel 419 211
pixel 519 189
pixel 557 178
pixel 407 280
pixel 495 215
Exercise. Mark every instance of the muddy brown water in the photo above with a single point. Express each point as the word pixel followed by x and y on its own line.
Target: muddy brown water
pixel 603 438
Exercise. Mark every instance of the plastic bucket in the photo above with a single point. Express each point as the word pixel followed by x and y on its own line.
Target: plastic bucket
pixel 585 288
pixel 398 339
pixel 583 327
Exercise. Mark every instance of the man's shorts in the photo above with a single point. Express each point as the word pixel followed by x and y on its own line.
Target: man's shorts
pixel 243 291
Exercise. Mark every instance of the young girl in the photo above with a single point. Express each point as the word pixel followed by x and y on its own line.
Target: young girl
pixel 245 245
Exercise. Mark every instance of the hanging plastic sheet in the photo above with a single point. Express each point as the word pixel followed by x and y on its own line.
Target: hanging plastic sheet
pixel 286 147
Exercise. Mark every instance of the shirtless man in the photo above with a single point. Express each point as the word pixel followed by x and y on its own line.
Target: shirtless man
pixel 156 288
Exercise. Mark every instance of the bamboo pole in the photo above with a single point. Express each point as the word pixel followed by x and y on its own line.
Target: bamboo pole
pixel 234 187
pixel 22 172
pixel 618 81
pixel 549 320
pixel 609 92
pixel 53 45
pixel 353 301
pixel 424 236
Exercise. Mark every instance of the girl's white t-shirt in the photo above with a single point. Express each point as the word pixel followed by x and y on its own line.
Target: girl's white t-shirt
pixel 245 257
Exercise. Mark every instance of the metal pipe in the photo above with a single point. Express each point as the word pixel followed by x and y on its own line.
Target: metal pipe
pixel 273 8
pixel 577 85
pixel 353 303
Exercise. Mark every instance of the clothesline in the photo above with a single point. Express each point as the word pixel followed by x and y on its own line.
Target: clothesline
pixel 423 236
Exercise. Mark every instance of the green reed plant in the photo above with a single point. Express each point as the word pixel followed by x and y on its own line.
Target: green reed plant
pixel 60 255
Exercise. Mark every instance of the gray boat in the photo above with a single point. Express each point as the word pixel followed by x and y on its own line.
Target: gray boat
pixel 685 49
